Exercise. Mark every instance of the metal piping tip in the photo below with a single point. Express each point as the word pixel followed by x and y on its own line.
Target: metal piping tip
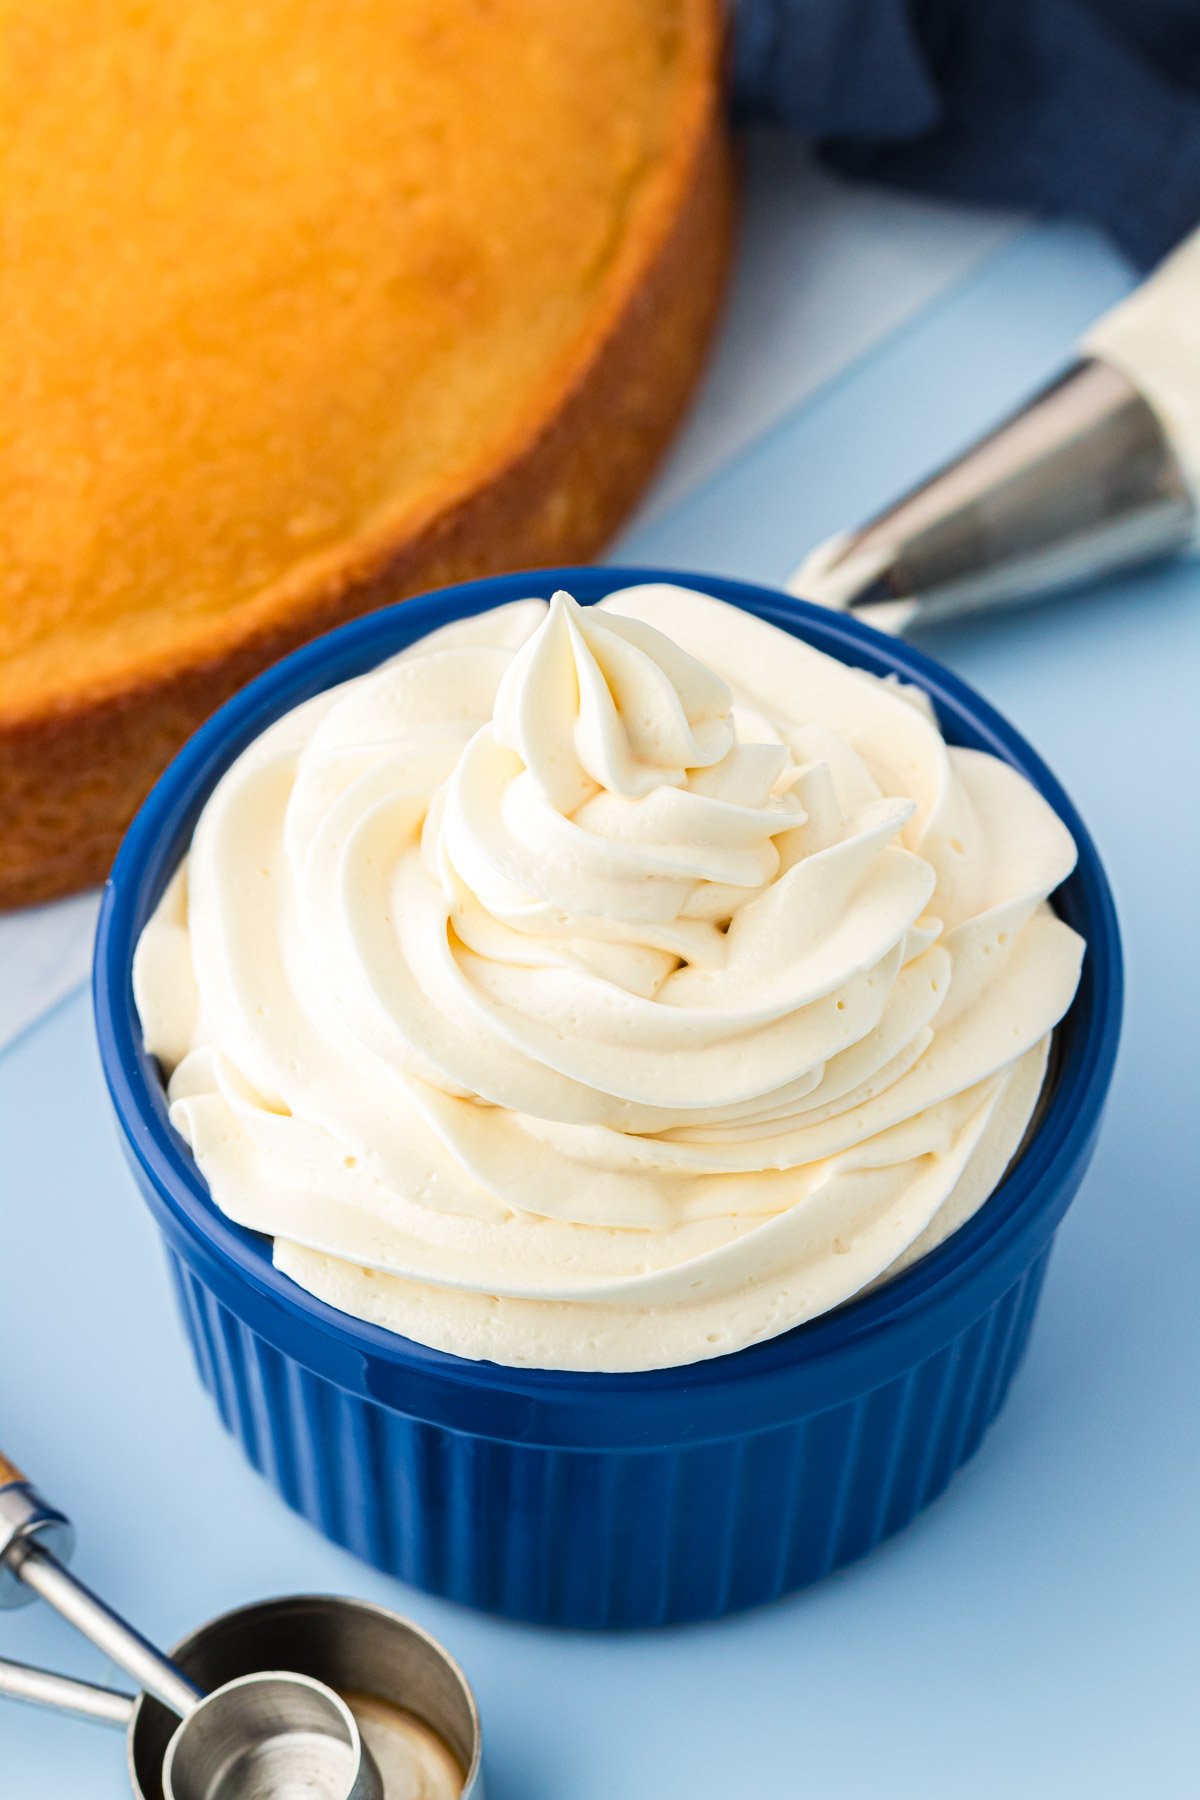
pixel 1081 481
pixel 848 575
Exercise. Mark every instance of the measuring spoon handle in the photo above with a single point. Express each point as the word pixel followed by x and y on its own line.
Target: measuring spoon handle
pixel 25 1518
pixel 38 1687
pixel 33 1536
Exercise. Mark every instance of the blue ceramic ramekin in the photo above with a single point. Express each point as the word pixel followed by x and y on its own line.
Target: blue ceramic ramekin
pixel 606 1500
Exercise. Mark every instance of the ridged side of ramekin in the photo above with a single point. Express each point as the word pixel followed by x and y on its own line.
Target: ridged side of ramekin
pixel 608 1538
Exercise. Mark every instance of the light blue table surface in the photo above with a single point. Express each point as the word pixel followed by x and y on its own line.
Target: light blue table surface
pixel 1035 1635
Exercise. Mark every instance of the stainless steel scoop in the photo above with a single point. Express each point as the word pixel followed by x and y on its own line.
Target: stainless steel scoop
pixel 266 1735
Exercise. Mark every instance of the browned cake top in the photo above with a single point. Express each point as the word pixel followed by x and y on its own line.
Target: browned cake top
pixel 277 279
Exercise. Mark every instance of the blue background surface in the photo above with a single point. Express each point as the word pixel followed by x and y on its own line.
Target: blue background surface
pixel 1034 1634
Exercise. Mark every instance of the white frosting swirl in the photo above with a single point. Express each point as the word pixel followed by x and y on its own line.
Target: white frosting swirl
pixel 553 999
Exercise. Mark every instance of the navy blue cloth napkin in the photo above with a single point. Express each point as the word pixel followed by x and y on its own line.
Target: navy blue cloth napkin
pixel 1088 107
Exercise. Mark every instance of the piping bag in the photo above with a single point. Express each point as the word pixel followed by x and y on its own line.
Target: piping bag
pixel 1098 472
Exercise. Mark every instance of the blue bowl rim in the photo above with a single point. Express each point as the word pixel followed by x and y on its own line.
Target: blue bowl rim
pixel 1046 1173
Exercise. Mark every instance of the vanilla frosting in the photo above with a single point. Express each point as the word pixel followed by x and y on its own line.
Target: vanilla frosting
pixel 608 988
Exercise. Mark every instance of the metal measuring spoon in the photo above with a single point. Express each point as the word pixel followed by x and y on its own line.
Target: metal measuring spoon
pixel 260 1737
pixel 209 1760
pixel 413 1704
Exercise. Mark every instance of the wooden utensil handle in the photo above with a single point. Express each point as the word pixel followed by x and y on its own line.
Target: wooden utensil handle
pixel 9 1471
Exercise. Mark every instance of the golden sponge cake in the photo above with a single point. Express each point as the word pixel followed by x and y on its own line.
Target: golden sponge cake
pixel 306 306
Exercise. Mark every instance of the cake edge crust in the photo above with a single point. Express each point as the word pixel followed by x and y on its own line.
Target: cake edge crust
pixel 74 770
